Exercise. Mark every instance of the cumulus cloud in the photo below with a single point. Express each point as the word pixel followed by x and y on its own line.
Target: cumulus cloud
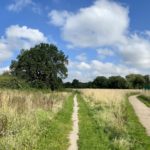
pixel 106 24
pixel 34 35
pixel 19 37
pixel 104 52
pixel 88 71
pixel 58 18
pixel 103 23
pixel 135 51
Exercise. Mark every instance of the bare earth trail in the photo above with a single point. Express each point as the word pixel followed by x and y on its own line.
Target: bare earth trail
pixel 142 111
pixel 73 137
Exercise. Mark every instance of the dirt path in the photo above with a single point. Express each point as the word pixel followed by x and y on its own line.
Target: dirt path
pixel 142 111
pixel 73 137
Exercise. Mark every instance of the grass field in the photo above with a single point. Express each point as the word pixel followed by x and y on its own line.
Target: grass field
pixel 23 114
pixel 115 120
pixel 145 98
pixel 41 120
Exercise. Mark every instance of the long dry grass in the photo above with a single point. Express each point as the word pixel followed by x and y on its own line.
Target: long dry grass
pixel 21 114
pixel 109 111
pixel 146 93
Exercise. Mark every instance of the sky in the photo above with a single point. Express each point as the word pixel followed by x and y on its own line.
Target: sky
pixel 100 37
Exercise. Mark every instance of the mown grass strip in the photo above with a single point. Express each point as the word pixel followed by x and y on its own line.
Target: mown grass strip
pixel 90 136
pixel 136 131
pixel 145 100
pixel 54 134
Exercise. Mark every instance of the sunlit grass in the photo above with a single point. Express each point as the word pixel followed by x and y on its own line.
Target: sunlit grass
pixel 115 118
pixel 21 113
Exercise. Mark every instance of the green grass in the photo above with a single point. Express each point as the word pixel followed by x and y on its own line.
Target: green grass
pixel 136 131
pixel 91 137
pixel 145 100
pixel 94 134
pixel 54 134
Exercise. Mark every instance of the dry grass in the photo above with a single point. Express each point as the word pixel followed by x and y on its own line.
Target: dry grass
pixel 146 93
pixel 109 109
pixel 21 113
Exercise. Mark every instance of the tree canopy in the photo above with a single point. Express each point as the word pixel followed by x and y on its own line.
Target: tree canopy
pixel 133 81
pixel 43 66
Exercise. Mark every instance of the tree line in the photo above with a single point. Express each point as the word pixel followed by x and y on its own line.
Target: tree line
pixel 131 81
pixel 45 66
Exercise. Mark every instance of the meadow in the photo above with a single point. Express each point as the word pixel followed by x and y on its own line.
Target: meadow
pixel 145 97
pixel 38 119
pixel 114 119
pixel 22 114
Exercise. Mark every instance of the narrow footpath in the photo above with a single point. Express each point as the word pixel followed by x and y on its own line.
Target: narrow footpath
pixel 73 137
pixel 142 111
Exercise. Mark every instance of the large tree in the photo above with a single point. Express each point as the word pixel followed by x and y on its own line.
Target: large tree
pixel 42 66
pixel 100 82
pixel 117 82
pixel 135 81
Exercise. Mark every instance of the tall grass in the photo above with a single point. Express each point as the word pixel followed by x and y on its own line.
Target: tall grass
pixel 21 113
pixel 145 97
pixel 110 111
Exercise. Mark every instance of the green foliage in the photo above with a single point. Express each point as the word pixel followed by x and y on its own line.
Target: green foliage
pixel 43 66
pixel 145 100
pixel 100 82
pixel 117 82
pixel 7 81
pixel 136 81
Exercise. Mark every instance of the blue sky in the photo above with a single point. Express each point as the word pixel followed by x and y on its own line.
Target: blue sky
pixel 101 37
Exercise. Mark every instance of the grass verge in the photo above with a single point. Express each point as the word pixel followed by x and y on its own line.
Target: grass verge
pixel 91 137
pixel 145 100
pixel 96 133
pixel 136 132
pixel 54 134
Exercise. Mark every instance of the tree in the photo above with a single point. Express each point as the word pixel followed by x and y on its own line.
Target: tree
pixel 43 66
pixel 136 81
pixel 100 82
pixel 117 82
pixel 75 83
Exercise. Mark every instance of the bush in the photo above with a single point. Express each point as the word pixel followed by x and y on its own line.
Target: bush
pixel 12 82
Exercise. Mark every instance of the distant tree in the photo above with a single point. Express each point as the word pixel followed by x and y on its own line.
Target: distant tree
pixel 68 85
pixel 117 82
pixel 135 81
pixel 75 83
pixel 42 66
pixel 100 82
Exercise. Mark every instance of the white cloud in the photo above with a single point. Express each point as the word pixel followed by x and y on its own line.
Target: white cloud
pixel 103 23
pixel 135 51
pixel 4 52
pixel 17 32
pixel 18 5
pixel 3 69
pixel 82 57
pixel 58 18
pixel 106 24
pixel 16 38
pixel 88 71
pixel 104 52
